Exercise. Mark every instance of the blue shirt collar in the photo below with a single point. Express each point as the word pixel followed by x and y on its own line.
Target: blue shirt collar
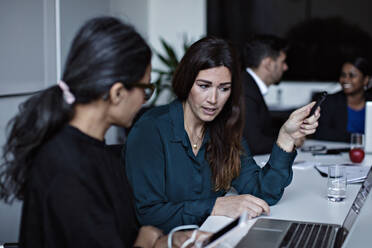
pixel 176 116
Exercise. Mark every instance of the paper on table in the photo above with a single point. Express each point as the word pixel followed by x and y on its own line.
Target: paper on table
pixel 354 173
pixel 330 159
pixel 303 165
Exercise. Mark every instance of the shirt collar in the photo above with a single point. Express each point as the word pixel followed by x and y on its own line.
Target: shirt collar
pixel 176 116
pixel 261 85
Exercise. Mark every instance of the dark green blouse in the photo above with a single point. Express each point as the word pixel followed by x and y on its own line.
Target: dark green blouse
pixel 173 187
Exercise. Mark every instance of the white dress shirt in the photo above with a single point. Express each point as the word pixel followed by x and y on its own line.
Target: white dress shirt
pixel 261 85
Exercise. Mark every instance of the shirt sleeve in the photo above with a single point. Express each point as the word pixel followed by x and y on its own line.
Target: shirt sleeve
pixel 267 183
pixel 145 160
pixel 80 215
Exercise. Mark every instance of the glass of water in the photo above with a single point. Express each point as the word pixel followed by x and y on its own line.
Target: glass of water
pixel 336 183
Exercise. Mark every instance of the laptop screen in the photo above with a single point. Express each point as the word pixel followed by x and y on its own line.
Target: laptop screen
pixel 368 127
pixel 358 202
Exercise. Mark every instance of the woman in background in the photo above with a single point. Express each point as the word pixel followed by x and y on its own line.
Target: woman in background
pixel 75 191
pixel 343 113
pixel 183 157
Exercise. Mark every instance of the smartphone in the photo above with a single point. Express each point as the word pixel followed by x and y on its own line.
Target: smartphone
pixel 338 150
pixel 223 233
pixel 320 100
pixel 334 151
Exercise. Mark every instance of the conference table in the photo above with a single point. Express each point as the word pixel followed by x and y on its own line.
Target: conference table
pixel 305 199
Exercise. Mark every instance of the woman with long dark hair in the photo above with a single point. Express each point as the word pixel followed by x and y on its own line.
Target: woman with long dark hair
pixel 183 157
pixel 74 189
pixel 344 111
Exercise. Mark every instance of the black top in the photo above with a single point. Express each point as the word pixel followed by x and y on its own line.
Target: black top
pixel 333 118
pixel 77 196
pixel 258 129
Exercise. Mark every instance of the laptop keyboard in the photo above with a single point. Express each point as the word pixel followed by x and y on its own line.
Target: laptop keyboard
pixel 307 235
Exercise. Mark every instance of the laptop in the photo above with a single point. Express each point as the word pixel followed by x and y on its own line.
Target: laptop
pixel 268 232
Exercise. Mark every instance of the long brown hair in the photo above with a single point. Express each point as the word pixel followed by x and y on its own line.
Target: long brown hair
pixel 224 148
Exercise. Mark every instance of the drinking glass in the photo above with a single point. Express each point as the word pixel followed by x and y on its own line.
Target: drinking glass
pixel 356 153
pixel 337 182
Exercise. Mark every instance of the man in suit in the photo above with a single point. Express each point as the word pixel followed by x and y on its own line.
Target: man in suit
pixel 264 60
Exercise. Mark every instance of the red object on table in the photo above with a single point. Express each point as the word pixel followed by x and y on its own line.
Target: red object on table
pixel 356 155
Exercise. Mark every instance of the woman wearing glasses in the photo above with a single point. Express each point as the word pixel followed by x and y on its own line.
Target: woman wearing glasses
pixel 75 191
pixel 344 111
pixel 182 158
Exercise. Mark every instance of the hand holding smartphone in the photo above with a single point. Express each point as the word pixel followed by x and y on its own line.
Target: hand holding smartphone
pixel 320 100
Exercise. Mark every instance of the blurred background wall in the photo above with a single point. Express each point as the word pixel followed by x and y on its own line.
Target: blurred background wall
pixel 322 35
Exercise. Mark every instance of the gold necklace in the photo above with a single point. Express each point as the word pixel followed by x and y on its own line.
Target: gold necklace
pixel 194 144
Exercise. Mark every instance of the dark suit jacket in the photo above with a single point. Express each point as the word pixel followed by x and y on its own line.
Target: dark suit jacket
pixel 333 118
pixel 368 94
pixel 258 130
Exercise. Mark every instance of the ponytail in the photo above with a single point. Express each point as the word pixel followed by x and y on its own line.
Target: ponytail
pixel 39 118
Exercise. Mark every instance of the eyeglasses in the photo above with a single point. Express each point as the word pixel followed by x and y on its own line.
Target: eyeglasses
pixel 148 88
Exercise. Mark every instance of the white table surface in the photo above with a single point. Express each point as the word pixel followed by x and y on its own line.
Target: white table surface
pixel 305 199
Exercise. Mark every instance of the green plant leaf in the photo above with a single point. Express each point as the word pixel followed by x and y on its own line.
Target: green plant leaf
pixel 172 57
pixel 160 71
pixel 164 60
pixel 164 76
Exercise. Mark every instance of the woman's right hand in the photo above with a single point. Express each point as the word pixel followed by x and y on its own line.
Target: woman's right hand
pixel 234 206
pixel 298 125
pixel 180 237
